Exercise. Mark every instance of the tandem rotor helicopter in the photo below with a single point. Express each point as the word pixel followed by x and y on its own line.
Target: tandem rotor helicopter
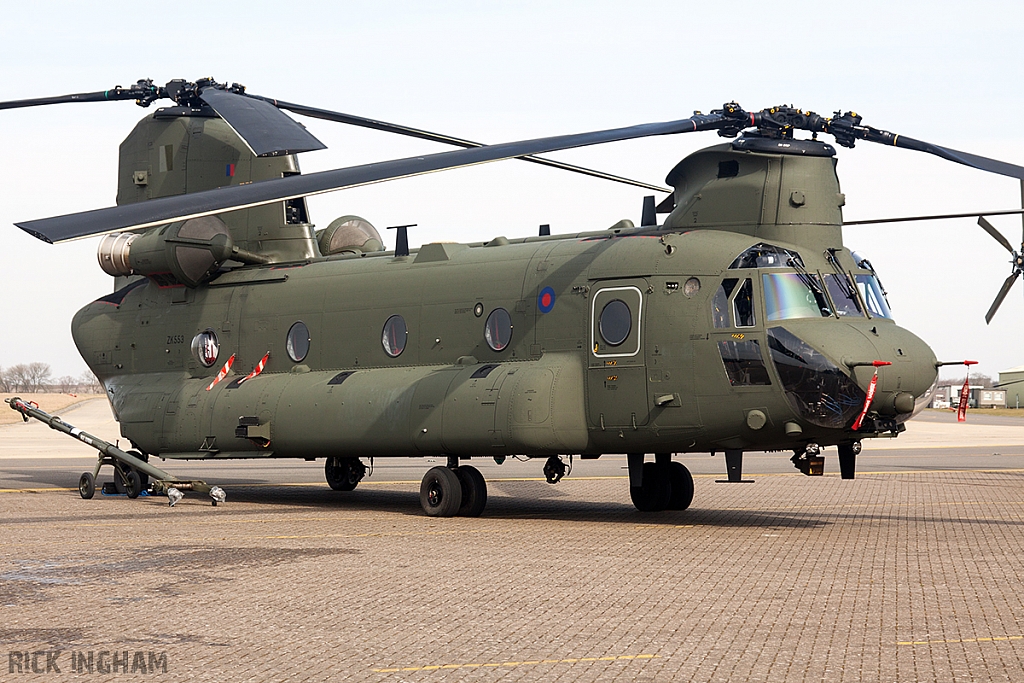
pixel 737 322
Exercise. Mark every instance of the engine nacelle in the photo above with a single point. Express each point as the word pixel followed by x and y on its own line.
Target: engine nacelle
pixel 183 253
pixel 349 235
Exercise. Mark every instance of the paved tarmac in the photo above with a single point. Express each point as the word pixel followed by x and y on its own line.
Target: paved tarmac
pixel 910 572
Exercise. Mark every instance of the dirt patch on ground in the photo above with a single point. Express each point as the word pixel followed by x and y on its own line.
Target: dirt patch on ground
pixel 51 403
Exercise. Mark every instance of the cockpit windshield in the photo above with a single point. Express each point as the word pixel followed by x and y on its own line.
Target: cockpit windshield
pixel 794 295
pixel 873 296
pixel 843 295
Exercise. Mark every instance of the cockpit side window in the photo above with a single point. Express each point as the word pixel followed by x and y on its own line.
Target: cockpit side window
pixel 743 363
pixel 743 305
pixel 874 298
pixel 871 289
pixel 720 304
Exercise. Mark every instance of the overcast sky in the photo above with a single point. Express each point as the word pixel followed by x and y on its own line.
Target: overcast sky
pixel 949 73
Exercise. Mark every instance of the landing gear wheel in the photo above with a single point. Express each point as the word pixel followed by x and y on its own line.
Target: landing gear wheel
pixel 441 492
pixel 133 484
pixel 474 491
pixel 344 474
pixel 655 492
pixel 682 486
pixel 87 485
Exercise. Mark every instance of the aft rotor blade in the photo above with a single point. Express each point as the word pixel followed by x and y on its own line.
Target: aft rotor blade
pixel 990 229
pixel 182 207
pixel 266 129
pixel 341 117
pixel 937 217
pixel 1003 291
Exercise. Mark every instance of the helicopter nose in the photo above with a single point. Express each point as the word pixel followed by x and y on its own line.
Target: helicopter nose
pixel 827 369
pixel 909 376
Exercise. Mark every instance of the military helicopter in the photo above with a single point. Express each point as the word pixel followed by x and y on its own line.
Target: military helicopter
pixel 236 330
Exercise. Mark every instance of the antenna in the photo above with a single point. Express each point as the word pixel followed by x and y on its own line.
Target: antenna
pixel 402 240
pixel 649 216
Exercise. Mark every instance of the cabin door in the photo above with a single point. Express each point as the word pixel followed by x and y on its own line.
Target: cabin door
pixel 617 374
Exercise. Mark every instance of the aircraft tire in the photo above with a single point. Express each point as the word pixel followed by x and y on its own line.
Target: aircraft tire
pixel 441 492
pixel 133 484
pixel 342 474
pixel 682 486
pixel 656 491
pixel 474 491
pixel 87 485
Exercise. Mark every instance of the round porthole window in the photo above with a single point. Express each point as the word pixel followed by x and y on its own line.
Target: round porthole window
pixel 616 322
pixel 297 344
pixel 395 333
pixel 498 330
pixel 691 287
pixel 205 347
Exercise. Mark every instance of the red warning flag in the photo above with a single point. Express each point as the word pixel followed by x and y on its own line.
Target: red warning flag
pixel 223 372
pixel 965 393
pixel 257 370
pixel 867 401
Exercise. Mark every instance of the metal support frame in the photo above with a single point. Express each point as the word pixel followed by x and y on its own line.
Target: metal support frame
pixel 734 468
pixel 635 463
pixel 109 454
pixel 847 461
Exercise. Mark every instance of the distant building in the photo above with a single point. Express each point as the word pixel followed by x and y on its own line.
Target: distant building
pixel 1012 381
pixel 948 396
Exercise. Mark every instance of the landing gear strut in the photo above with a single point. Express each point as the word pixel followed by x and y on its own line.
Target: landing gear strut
pixel 848 459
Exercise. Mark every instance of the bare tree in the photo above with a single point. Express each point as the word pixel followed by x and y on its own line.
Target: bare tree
pixel 88 383
pixel 17 377
pixel 37 376
pixel 5 385
pixel 66 384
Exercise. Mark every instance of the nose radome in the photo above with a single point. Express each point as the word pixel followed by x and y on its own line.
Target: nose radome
pixel 910 375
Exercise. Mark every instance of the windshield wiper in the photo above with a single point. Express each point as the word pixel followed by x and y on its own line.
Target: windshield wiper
pixel 812 284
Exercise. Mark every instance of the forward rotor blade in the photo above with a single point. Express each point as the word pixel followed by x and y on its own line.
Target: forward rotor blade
pixel 990 229
pixel 266 129
pixel 181 207
pixel 966 158
pixel 1003 291
pixel 340 117
pixel 117 93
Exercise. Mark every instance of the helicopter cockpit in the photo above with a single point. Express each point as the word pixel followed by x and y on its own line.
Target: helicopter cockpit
pixel 818 389
pixel 802 294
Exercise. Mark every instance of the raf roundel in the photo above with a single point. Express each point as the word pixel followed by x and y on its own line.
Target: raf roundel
pixel 546 300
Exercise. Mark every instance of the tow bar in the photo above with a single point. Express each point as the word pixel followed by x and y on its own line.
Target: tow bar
pixel 127 466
